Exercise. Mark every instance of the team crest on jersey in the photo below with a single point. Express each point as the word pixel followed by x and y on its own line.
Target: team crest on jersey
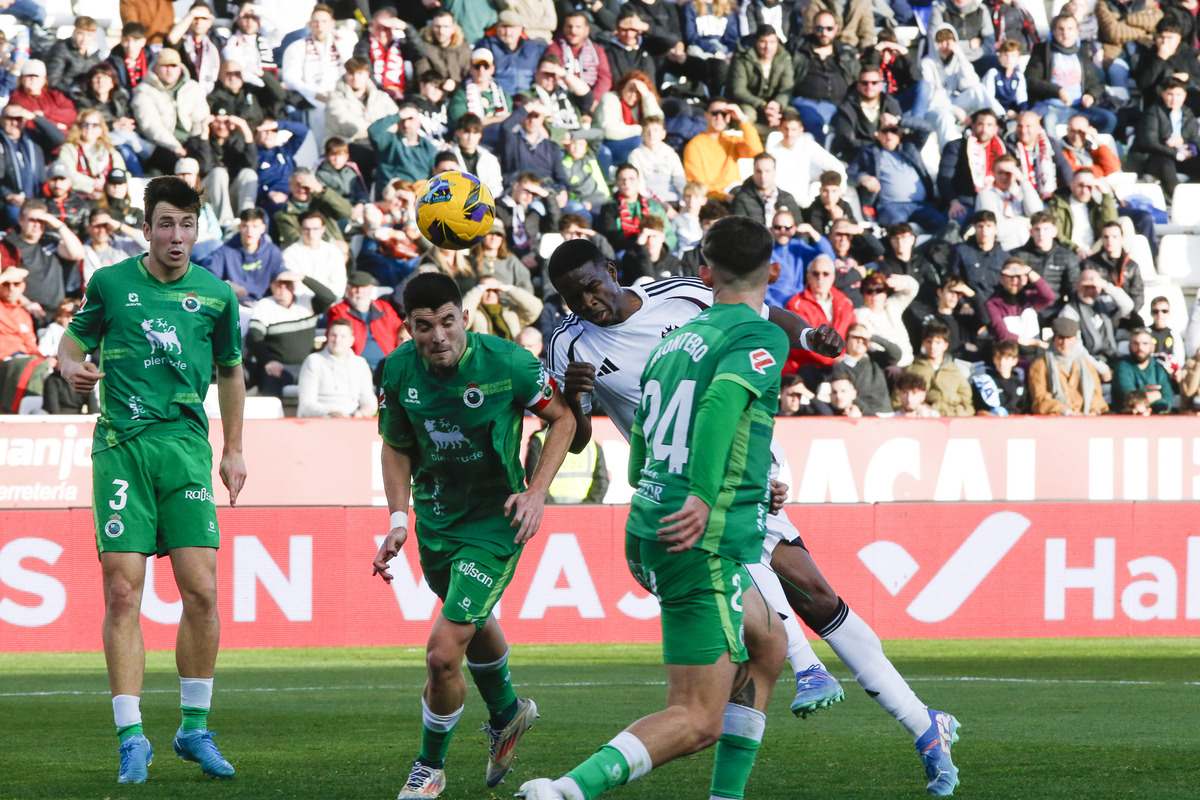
pixel 760 359
pixel 473 397
pixel 191 302
pixel 114 527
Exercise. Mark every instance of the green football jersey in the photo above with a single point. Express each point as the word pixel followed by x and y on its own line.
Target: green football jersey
pixel 156 344
pixel 724 343
pixel 463 434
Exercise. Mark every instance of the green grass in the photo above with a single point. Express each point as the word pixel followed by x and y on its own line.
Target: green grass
pixel 1104 718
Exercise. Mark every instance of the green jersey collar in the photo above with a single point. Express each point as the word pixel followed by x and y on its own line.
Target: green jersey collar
pixel 145 272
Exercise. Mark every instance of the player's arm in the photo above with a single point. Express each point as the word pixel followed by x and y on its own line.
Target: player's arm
pixel 231 396
pixel 397 485
pixel 822 340
pixel 725 400
pixel 527 506
pixel 579 379
pixel 82 374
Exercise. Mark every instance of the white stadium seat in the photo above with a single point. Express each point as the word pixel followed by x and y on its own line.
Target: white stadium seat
pixel 1179 258
pixel 1185 204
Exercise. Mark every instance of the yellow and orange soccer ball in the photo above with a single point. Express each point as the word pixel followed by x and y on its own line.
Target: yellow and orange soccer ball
pixel 455 210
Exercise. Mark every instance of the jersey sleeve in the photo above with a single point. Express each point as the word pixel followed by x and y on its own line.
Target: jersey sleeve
pixel 87 327
pixel 227 336
pixel 533 385
pixel 754 359
pixel 395 428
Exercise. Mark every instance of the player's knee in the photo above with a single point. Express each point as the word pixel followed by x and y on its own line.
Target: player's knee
pixel 199 600
pixel 706 732
pixel 122 598
pixel 442 662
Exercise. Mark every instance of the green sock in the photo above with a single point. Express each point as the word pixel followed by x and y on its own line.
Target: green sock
pixel 434 746
pixel 194 719
pixel 129 730
pixel 731 768
pixel 605 770
pixel 495 687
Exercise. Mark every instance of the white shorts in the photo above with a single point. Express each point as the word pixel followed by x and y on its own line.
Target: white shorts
pixel 779 529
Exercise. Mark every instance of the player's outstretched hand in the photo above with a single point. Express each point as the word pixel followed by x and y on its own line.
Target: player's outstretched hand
pixel 779 494
pixel 387 551
pixel 233 475
pixel 826 342
pixel 689 524
pixel 526 509
pixel 579 378
pixel 85 378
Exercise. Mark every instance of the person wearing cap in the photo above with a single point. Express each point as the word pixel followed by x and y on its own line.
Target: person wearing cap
pixel 170 108
pixel 22 161
pixel 191 36
pixel 251 46
pixel 376 325
pixel 482 96
pixel 403 153
pixel 892 177
pixel 514 55
pixel 71 58
pixel 356 103
pixel 583 57
pixel 228 160
pixel 335 381
pixel 1014 308
pixel 625 52
pixel 16 323
pixel 761 80
pixel 69 206
pixel 116 201
pixel 55 111
pixel 978 260
pixel 313 65
pixel 1064 381
pixel 88 154
pixel 387 51
pixel 283 329
pixel 48 263
pixel 444 49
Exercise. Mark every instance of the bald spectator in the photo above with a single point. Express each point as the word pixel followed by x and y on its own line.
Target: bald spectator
pixel 1064 381
pixel 711 157
pixel 376 325
pixel 820 304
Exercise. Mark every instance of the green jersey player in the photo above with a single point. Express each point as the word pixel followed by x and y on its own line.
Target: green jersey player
pixel 157 323
pixel 450 415
pixel 699 458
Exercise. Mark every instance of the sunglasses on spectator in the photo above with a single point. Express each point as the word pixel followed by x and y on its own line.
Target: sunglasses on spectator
pixel 782 227
pixel 89 124
pixel 825 27
pixel 870 83
pixel 874 290
pixel 232 74
pixel 1161 311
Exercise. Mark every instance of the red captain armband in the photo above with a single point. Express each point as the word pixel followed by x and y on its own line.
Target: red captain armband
pixel 545 394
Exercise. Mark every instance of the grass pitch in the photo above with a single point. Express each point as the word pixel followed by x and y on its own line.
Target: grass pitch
pixel 1110 718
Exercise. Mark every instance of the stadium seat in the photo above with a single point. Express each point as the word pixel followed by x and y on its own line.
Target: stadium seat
pixel 256 407
pixel 906 35
pixel 1179 258
pixel 106 12
pixel 1185 204
pixel 1041 21
pixel 1151 191
pixel 59 13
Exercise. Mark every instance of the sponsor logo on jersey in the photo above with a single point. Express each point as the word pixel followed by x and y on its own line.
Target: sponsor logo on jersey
pixel 449 439
pixel 133 300
pixel 471 571
pixel 191 302
pixel 472 397
pixel 162 336
pixel 200 494
pixel 114 527
pixel 760 359
pixel 412 397
pixel 83 302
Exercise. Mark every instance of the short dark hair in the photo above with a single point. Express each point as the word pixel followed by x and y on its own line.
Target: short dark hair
pixel 898 229
pixel 790 114
pixel 1111 224
pixel 1172 83
pixel 1168 24
pixel 356 64
pixel 251 214
pixel 1160 299
pixel 1045 215
pixel 935 330
pixel 431 290
pixel 831 178
pixel 431 76
pixel 908 381
pixel 172 189
pixel 135 29
pixel 471 123
pixel 712 210
pixel 1134 398
pixel 737 246
pixel 984 112
pixel 1006 347
pixel 626 165
pixel 570 256
pixel 336 144
pixel 569 219
pixel 339 321
pixel 312 213
pixel 764 156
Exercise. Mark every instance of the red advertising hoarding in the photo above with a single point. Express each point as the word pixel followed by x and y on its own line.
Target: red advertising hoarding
pixel 302 577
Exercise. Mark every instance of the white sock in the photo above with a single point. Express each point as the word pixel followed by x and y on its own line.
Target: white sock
pixel 195 692
pixel 860 649
pixel 569 789
pixel 436 722
pixel 635 753
pixel 743 721
pixel 127 710
pixel 800 652
pixel 497 664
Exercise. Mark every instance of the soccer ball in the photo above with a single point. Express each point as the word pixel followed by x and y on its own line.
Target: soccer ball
pixel 455 211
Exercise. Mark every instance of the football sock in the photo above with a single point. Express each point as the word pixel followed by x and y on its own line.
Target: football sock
pixel 436 731
pixel 741 735
pixel 495 686
pixel 800 652
pixel 195 699
pixel 127 714
pixel 860 649
pixel 621 760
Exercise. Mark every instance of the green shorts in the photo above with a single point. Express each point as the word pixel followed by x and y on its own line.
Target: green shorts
pixel 701 599
pixel 154 493
pixel 469 579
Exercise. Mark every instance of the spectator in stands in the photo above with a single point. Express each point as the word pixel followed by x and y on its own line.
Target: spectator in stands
pixel 658 164
pixel 820 304
pixel 250 48
pixel 314 257
pixel 1166 59
pixel 402 151
pixel 562 92
pixel 527 211
pixel 1060 79
pixel 68 206
pixel 1169 136
pixel 587 188
pixel 687 222
pixel 51 336
pixel 155 17
pixel 431 103
pixel 1064 380
pixel 98 89
pixel 761 80
pixel 1168 344
pixel 210 234
pixel 1012 22
pixel 170 108
pixel 865 110
pixel 191 37
pixel 529 148
pixel 450 262
pixel 956 311
pixel 383 48
pixel 499 308
pixel 979 260
pixel 446 50
pixel 335 382
pixel 999 390
pixel 955 88
pixel 911 391
pixel 1098 306
pixel 794 397
pixel 1013 199
pixel 622 111
pixel 283 329
pixel 105 246
pixel 759 197
pixel 582 57
pixel 710 38
pixel 54 111
pixel 949 393
pixel 1013 309
pixel 711 157
pixel 1082 215
pixel 900 259
pixel 625 52
pixel 313 65
pixel 843 397
pixel 795 247
pixel 826 68
pixel 482 96
pixel 375 324
pixel 968 163
pixel 892 178
pixel 71 58
pixel 864 364
pixel 583 477
pixel 1055 262
pixel 229 163
pixel 799 160
pixel 1005 87
pixel 276 160
pixel 242 99
pixel 648 258
pixel 830 205
pixel 390 248
pixel 355 104
pixel 472 157
pixel 1121 24
pixel 491 257
pixel 249 261
pixel 664 40
pixel 17 335
pixel 972 22
pixel 1115 266
pixel 307 194
pixel 885 298
pixel 129 58
pixel 1141 371
pixel 620 221
pixel 1082 148
pixel 855 21
pixel 514 54
pixel 1039 154
pixel 23 163
pixel 116 202
pixel 47 263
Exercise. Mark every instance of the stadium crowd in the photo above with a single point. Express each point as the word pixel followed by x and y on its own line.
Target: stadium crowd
pixel 939 179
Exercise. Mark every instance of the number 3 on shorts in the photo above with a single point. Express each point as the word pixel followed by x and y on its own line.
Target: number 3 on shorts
pixel 121 496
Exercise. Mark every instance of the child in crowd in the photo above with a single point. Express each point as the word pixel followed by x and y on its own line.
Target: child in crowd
pixel 1137 404
pixel 339 173
pixel 1005 87
pixel 587 189
pixel 912 389
pixel 999 390
pixel 687 221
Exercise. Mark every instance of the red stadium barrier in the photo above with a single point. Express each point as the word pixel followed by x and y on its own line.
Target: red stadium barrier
pixel 302 577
